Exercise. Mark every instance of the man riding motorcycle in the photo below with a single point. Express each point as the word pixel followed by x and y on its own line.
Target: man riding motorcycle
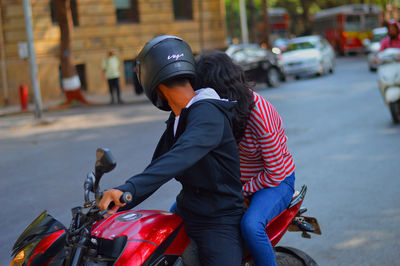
pixel 197 148
pixel 393 38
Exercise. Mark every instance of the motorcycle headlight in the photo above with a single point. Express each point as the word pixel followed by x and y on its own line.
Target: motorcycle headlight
pixel 18 259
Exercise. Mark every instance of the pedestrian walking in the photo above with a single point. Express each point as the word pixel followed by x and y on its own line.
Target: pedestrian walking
pixel 110 68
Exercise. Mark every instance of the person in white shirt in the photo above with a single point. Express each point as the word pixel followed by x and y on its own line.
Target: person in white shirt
pixel 110 68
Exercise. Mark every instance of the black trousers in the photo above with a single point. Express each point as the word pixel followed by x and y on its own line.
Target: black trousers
pixel 218 244
pixel 114 84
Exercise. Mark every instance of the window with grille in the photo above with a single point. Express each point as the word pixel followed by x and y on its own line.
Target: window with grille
pixel 183 9
pixel 127 11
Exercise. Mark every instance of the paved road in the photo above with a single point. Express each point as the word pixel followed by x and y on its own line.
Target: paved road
pixel 346 150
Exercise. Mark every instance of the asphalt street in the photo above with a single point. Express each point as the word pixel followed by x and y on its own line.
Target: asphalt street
pixel 345 146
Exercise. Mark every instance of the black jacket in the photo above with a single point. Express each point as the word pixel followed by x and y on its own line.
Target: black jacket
pixel 203 157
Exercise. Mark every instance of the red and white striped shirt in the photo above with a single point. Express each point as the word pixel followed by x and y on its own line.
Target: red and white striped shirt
pixel 264 159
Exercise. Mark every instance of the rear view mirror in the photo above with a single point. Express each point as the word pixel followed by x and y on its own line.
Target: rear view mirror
pixel 104 164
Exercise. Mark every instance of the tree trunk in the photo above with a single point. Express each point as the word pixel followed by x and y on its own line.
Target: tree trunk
pixel 252 21
pixel 64 19
pixel 231 20
pixel 305 4
pixel 70 79
pixel 265 23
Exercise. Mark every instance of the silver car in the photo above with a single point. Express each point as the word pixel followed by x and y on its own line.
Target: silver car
pixel 308 55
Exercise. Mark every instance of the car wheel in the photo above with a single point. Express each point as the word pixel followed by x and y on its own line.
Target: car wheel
pixel 273 77
pixel 321 70
pixel 332 68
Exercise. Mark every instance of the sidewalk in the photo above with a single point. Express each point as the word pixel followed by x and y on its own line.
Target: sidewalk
pixel 127 96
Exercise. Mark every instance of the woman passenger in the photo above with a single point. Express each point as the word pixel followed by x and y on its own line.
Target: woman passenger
pixel 266 165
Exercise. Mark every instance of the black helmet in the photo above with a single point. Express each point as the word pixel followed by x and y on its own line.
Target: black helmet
pixel 161 59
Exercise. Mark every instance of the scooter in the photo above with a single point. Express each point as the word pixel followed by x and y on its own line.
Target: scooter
pixel 136 237
pixel 389 80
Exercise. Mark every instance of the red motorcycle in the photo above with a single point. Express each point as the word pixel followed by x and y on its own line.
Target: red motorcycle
pixel 144 237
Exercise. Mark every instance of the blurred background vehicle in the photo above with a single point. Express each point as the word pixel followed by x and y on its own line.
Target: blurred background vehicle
pixel 278 23
pixel 346 27
pixel 281 44
pixel 308 55
pixel 259 64
pixel 372 46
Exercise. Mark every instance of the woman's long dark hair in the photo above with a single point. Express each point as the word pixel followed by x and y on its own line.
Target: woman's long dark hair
pixel 217 70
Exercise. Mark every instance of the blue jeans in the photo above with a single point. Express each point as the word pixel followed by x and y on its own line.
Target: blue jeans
pixel 265 205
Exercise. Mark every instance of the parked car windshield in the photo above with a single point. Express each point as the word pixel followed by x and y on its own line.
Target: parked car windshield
pixel 248 52
pixel 301 45
pixel 353 23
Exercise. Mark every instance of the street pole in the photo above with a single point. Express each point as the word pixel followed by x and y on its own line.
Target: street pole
pixel 243 22
pixel 32 61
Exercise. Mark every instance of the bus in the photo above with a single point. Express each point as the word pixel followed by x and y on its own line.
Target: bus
pixel 278 20
pixel 345 27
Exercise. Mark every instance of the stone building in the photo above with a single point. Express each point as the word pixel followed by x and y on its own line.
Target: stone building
pixel 123 26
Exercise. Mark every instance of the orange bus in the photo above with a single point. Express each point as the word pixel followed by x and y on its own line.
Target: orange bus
pixel 345 27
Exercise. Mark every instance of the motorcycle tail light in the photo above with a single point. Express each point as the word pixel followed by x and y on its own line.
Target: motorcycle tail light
pixel 18 259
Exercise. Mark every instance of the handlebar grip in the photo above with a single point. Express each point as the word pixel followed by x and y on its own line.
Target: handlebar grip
pixel 126 197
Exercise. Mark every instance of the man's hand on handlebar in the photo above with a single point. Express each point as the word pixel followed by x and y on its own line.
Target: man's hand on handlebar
pixel 109 197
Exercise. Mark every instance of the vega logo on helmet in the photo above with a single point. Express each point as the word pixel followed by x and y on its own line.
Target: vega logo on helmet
pixel 175 56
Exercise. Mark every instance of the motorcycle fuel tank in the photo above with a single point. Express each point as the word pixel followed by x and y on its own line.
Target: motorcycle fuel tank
pixel 147 232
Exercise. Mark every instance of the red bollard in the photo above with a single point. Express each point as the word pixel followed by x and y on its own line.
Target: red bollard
pixel 23 97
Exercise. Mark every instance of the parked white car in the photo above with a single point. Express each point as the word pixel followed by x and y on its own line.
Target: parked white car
pixel 308 55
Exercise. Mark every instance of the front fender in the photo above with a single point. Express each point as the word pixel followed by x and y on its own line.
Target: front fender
pixel 392 94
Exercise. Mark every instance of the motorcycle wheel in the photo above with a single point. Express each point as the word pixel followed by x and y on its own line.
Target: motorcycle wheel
pixel 285 259
pixel 395 111
pixel 282 259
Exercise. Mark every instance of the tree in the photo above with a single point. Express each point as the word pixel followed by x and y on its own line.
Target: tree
pixel 70 79
pixel 252 21
pixel 265 35
pixel 306 16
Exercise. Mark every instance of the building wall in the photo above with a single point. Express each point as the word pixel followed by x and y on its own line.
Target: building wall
pixel 97 33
